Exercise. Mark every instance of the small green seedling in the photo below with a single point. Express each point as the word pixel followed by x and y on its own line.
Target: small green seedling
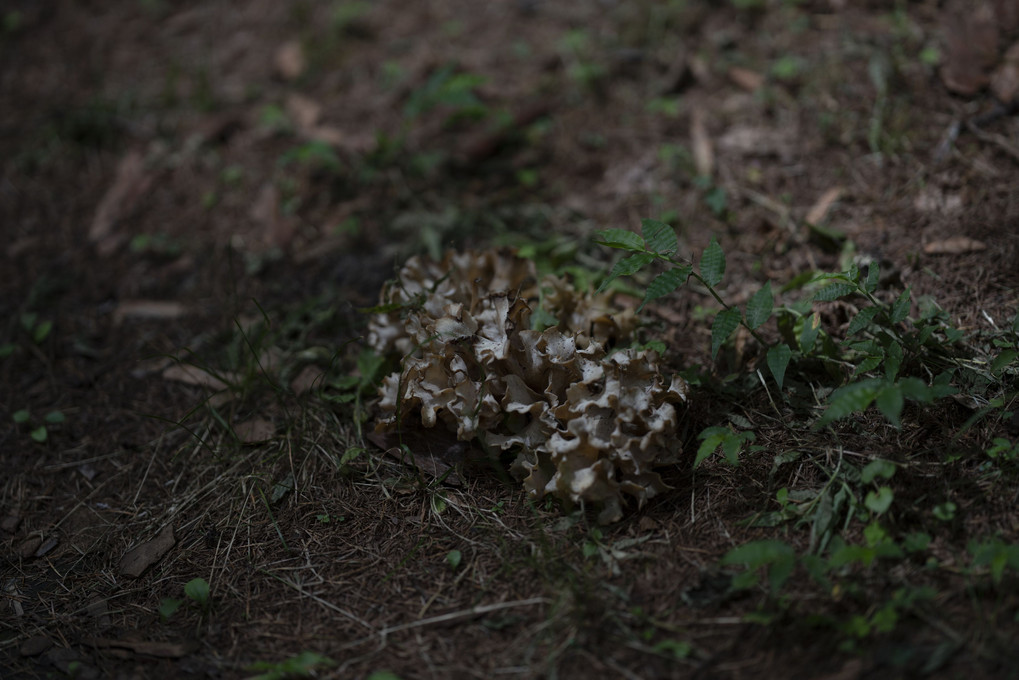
pixel 196 590
pixel 39 433
pixel 303 665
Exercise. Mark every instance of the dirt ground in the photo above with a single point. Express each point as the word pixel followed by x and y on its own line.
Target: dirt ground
pixel 197 198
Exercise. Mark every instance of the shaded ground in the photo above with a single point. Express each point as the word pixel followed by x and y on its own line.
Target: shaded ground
pixel 259 169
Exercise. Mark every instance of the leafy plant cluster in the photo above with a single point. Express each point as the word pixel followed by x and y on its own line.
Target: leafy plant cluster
pixel 885 357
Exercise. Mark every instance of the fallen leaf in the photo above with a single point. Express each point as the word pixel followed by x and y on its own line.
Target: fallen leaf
pixel 192 375
pixel 304 111
pixel 1005 80
pixel 35 645
pixel 148 309
pixel 703 154
pixel 310 377
pixel 750 81
pixel 820 209
pixel 11 523
pixel 971 47
pixel 47 547
pixel 956 245
pixel 254 431
pixel 29 546
pixel 434 454
pixel 162 650
pixel 129 185
pixel 138 559
pixel 289 60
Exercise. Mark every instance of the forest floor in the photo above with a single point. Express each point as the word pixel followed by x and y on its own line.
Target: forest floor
pixel 198 199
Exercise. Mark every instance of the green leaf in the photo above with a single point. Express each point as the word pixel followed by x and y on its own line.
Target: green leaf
pixel 711 438
pixel 54 417
pixel 873 277
pixel 889 401
pixel 862 320
pixel 619 238
pixel 834 291
pixel 759 307
pixel 677 649
pixel 849 399
pixel 39 434
pixel 7 349
pixel 198 590
pixel 1002 360
pixel 893 360
pixel 900 308
pixel 453 559
pixel 627 267
pixel 778 360
pixel 713 263
pixel 168 606
pixel 665 283
pixel 776 555
pixel 21 416
pixel 383 675
pixel 40 332
pixel 660 237
pixel 725 323
pixel 877 468
pixel 879 501
pixel 811 327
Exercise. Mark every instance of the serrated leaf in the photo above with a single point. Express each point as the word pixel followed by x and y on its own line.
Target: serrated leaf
pixel 760 306
pixel 619 238
pixel 778 361
pixel 659 237
pixel 893 360
pixel 850 399
pixel 900 308
pixel 862 320
pixel 873 277
pixel 627 267
pixel 868 364
pixel 915 389
pixel 889 402
pixel 811 326
pixel 713 263
pixel 879 501
pixel 665 283
pixel 725 323
pixel 711 438
pixel 834 291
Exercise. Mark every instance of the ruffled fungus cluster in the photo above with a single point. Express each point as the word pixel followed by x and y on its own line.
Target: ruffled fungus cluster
pixel 587 426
